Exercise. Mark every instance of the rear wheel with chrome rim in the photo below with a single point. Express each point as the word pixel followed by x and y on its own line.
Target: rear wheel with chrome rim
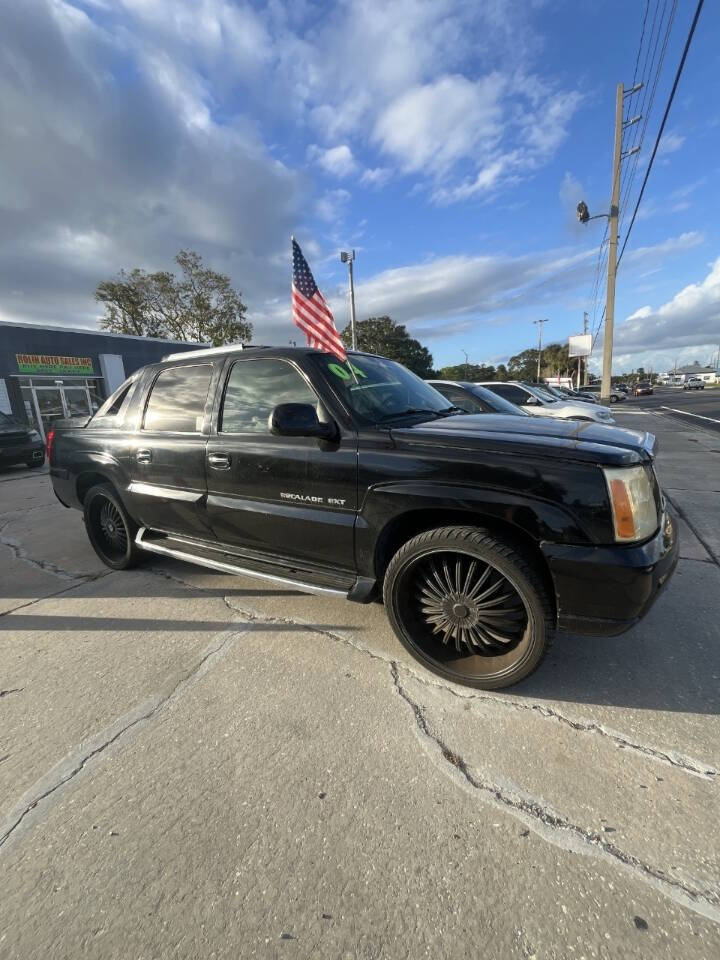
pixel 468 607
pixel 110 529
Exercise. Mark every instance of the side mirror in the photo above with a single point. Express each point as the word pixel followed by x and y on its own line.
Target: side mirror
pixel 299 420
pixel 532 402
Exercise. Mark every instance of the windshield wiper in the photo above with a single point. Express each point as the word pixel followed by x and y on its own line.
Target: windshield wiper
pixel 443 412
pixel 449 411
pixel 408 412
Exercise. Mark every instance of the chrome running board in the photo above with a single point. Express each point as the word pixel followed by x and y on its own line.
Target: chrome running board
pixel 153 546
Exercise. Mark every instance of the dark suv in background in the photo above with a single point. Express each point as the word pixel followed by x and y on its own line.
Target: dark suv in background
pixel 19 443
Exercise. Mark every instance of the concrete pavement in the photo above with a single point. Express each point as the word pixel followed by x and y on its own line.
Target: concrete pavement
pixel 194 765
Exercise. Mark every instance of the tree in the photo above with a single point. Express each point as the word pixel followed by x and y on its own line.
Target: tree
pixel 383 336
pixel 555 360
pixel 199 306
pixel 523 366
pixel 473 372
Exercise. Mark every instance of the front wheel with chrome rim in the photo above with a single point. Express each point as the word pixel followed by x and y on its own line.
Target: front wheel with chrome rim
pixel 468 606
pixel 110 529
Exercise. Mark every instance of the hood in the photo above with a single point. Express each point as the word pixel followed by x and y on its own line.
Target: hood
pixel 562 439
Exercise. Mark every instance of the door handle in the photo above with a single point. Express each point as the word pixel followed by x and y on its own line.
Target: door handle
pixel 219 461
pixel 143 456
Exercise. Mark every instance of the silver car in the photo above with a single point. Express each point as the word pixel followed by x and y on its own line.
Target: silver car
pixel 540 402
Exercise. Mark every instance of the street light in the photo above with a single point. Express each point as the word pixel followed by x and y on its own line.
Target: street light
pixel 347 256
pixel 540 323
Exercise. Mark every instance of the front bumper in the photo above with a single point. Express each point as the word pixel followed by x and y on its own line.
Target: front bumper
pixel 603 591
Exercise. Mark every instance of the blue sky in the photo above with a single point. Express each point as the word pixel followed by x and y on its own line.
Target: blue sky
pixel 447 142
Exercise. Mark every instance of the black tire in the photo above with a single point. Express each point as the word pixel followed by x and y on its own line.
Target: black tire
pixel 110 529
pixel 431 596
pixel 613 399
pixel 34 464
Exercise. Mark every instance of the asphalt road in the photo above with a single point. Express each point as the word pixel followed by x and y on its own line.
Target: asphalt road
pixel 194 765
pixel 694 407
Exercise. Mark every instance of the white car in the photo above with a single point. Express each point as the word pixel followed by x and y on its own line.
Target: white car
pixel 541 403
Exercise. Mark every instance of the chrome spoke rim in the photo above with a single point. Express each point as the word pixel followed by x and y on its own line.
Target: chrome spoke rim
pixel 111 528
pixel 469 605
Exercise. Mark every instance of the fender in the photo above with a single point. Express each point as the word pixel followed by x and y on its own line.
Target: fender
pixel 84 463
pixel 386 503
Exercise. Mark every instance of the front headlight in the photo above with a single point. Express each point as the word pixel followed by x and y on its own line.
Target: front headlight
pixel 603 413
pixel 634 510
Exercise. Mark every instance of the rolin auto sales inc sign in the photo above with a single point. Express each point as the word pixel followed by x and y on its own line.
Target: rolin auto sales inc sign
pixel 39 363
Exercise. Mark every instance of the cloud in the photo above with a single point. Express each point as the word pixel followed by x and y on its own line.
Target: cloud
pixel 689 319
pixel 332 204
pixel 113 156
pixel 337 161
pixel 376 177
pixel 430 127
pixel 671 143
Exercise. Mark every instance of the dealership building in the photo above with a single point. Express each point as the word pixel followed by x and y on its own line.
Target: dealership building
pixel 47 372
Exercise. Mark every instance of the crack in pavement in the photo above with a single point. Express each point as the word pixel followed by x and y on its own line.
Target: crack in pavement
pixel 6 693
pixel 45 565
pixel 72 765
pixel 693 528
pixel 551 826
pixel 91 578
pixel 555 828
pixel 668 757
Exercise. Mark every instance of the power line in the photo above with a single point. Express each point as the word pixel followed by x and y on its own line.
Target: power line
pixel 647 113
pixel 662 125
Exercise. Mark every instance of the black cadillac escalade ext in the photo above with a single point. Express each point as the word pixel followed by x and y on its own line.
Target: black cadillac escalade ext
pixel 482 533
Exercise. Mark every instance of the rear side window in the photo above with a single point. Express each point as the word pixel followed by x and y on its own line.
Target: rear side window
pixel 114 404
pixel 177 399
pixel 509 391
pixel 254 388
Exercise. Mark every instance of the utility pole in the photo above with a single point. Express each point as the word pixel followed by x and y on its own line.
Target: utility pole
pixel 348 257
pixel 612 249
pixel 540 323
pixel 584 360
pixel 584 216
pixel 466 364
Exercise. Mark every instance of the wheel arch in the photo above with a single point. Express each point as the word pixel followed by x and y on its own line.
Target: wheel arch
pixel 91 478
pixel 409 524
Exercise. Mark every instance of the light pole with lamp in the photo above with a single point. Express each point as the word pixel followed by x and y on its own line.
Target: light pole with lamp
pixel 540 323
pixel 347 256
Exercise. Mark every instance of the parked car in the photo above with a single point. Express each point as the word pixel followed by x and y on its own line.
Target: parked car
pixel 472 398
pixel 624 387
pixel 564 393
pixel 483 534
pixel 542 403
pixel 19 443
pixel 595 390
pixel 694 383
pixel 642 388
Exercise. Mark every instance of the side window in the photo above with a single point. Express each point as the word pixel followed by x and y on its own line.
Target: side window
pixel 254 388
pixel 177 399
pixel 510 392
pixel 114 403
pixel 466 400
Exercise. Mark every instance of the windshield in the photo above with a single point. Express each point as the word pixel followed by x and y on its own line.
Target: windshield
pixel 379 390
pixel 555 391
pixel 540 392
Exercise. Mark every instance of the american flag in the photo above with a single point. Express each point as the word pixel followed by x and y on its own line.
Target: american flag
pixel 310 312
